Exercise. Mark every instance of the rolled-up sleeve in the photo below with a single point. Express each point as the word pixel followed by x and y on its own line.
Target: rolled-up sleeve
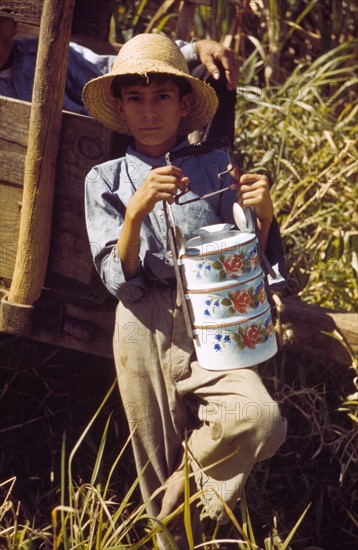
pixel 104 221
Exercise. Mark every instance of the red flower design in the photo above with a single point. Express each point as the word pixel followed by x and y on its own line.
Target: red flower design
pixel 242 300
pixel 233 264
pixel 251 336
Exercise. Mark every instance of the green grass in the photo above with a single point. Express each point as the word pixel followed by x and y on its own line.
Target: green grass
pixel 304 135
pixel 68 480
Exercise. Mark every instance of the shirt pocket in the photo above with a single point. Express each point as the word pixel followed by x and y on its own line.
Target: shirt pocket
pixel 189 217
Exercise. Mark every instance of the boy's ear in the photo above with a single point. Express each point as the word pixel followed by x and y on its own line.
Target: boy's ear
pixel 186 103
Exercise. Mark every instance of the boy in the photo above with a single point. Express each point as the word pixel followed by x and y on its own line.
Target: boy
pixel 150 95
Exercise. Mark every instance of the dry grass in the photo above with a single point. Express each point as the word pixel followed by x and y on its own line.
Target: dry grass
pixel 59 438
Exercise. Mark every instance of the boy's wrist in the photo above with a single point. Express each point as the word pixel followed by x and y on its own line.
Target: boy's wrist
pixel 133 215
pixel 265 222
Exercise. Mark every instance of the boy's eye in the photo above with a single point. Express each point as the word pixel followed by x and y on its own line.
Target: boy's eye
pixel 132 98
pixel 163 96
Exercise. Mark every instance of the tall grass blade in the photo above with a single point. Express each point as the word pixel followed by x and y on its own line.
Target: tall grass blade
pixel 287 541
pixel 187 515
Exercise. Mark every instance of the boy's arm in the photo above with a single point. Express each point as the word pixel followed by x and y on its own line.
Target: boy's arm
pixel 128 245
pixel 161 184
pixel 253 191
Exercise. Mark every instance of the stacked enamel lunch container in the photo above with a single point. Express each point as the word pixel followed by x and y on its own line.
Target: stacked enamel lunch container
pixel 225 290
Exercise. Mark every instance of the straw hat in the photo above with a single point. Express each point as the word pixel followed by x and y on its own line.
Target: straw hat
pixel 149 53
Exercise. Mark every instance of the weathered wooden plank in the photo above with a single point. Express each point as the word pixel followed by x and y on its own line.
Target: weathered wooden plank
pixel 53 321
pixel 10 205
pixel 14 116
pixel 14 127
pixel 24 11
pixel 12 165
pixel 83 144
pixel 13 140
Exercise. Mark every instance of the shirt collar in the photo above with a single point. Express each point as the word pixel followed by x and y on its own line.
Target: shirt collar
pixel 152 161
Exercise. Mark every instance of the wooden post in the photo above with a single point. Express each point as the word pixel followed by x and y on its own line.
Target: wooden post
pixel 185 21
pixel 40 163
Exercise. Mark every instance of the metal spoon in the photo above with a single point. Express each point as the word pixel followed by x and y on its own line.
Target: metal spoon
pixel 239 217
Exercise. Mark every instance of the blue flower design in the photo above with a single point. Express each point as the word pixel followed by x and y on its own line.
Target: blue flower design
pixel 226 338
pixel 217 347
pixel 207 313
pixel 218 337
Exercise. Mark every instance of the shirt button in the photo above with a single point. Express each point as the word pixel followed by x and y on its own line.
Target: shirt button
pixel 170 254
pixel 159 212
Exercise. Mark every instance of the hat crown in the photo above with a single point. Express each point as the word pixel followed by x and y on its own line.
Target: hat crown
pixel 150 53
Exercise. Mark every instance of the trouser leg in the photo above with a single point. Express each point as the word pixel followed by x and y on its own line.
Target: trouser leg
pixel 240 425
pixel 148 362
pixel 238 422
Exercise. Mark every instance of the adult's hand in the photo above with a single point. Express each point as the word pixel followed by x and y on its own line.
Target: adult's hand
pixel 214 56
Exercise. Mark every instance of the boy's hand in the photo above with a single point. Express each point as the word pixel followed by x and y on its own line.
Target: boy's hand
pixel 214 56
pixel 253 190
pixel 161 184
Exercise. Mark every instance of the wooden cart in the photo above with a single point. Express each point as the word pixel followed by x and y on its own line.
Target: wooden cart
pixel 49 289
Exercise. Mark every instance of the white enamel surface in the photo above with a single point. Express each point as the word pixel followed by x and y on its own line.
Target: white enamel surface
pixel 213 231
pixel 217 345
pixel 217 242
pixel 228 301
pixel 209 261
pixel 221 271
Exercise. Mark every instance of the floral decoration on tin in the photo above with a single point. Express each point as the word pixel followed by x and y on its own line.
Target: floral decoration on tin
pixel 239 301
pixel 232 265
pixel 246 336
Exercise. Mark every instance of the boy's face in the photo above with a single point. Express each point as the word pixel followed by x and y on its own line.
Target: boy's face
pixel 153 113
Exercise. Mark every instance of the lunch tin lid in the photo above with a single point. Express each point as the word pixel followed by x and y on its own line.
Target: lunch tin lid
pixel 205 246
pixel 209 325
pixel 224 285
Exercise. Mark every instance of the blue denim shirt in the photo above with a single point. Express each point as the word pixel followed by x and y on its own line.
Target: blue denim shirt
pixel 108 189
pixel 83 65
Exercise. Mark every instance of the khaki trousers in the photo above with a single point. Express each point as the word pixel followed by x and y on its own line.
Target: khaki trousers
pixel 231 420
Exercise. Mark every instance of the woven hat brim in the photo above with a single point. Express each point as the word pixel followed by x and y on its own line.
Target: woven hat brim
pixel 100 103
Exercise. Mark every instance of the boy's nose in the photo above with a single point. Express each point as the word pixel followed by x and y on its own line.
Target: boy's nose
pixel 148 109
